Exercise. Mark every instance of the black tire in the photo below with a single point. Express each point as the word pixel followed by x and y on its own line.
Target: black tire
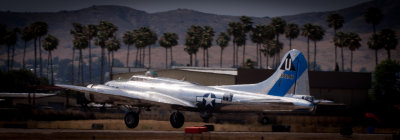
pixel 264 120
pixel 177 119
pixel 131 119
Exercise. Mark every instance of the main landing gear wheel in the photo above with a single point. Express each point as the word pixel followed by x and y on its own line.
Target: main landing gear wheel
pixel 177 119
pixel 131 119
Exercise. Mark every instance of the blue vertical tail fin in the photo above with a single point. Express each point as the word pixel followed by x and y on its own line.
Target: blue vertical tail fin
pixel 290 77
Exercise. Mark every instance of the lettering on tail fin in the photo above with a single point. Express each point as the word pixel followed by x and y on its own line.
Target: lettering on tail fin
pixel 288 65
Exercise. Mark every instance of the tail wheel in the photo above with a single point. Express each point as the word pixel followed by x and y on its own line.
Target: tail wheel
pixel 264 120
pixel 131 119
pixel 177 119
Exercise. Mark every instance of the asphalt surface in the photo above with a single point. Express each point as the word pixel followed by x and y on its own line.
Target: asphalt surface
pixel 61 134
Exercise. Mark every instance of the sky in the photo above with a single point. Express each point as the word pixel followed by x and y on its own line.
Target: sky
pixel 255 8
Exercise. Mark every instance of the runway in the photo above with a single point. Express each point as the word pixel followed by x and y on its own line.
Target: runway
pixel 61 134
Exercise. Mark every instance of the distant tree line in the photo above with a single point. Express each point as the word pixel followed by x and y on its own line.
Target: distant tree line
pixel 265 36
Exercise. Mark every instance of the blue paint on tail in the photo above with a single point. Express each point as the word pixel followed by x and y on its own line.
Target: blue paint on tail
pixel 293 69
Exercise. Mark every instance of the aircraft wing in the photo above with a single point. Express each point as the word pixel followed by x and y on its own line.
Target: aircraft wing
pixel 137 98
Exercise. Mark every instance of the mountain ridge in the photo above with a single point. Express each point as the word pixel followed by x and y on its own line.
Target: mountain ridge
pixel 179 20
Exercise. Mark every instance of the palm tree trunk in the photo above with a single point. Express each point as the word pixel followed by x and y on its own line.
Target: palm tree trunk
pixel 90 63
pixel 51 67
pixel 149 56
pixel 335 50
pixel 267 61
pixel 308 51
pixel 290 44
pixel 112 65
pixel 237 55
pixel 40 59
pixel 258 61
pixel 170 49
pixel 233 59
pixel 204 57
pixel 207 56
pixel 109 64
pixel 166 58
pixel 388 52
pixel 351 61
pixel 136 58
pixel 143 56
pixel 191 60
pixel 23 57
pixel 259 55
pixel 8 58
pixel 127 58
pixel 195 60
pixel 35 52
pixel 220 58
pixel 140 57
pixel 376 56
pixel 81 66
pixel 102 65
pixel 72 67
pixel 12 57
pixel 342 60
pixel 244 53
pixel 48 65
pixel 279 51
pixel 315 54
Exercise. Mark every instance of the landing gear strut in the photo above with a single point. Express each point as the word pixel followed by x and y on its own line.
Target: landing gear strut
pixel 131 119
pixel 177 119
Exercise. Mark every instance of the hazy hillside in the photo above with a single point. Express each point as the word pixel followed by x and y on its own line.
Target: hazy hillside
pixel 179 20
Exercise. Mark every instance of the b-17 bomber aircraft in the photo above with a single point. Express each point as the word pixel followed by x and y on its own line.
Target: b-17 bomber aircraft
pixel 286 89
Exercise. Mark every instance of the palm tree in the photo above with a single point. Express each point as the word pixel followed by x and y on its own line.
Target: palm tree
pixel 222 41
pixel 112 46
pixel 91 32
pixel 306 32
pixel 335 21
pixel 259 35
pixel 80 43
pixel 27 35
pixel 317 34
pixel 271 48
pixel 248 24
pixel 192 41
pixel 206 42
pixel 50 43
pixel 152 39
pixel 278 25
pixel 292 32
pixel 106 30
pixel 353 43
pixel 128 40
pixel 375 43
pixel 78 35
pixel 40 29
pixel 3 33
pixel 237 29
pixel 140 43
pixel 10 40
pixel 373 16
pixel 168 40
pixel 388 39
pixel 340 41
